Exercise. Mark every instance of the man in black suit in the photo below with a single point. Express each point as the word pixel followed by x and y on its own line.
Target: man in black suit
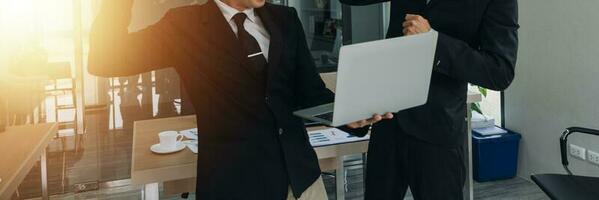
pixel 246 67
pixel 423 147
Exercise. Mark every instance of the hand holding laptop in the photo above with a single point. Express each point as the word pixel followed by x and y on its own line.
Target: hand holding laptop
pixel 366 122
pixel 391 75
pixel 415 24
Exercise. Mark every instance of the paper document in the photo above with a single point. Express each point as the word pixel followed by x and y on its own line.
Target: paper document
pixel 192 145
pixel 190 133
pixel 332 136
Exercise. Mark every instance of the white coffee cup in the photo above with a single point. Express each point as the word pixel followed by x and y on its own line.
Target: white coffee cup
pixel 170 139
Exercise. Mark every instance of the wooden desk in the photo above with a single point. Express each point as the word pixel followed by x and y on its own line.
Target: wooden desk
pixel 20 148
pixel 149 169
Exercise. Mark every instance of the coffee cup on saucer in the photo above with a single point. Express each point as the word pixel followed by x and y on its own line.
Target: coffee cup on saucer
pixel 170 142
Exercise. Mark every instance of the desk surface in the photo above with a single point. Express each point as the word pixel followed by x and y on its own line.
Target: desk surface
pixel 20 148
pixel 148 167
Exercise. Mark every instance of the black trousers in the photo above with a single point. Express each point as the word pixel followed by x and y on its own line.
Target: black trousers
pixel 397 161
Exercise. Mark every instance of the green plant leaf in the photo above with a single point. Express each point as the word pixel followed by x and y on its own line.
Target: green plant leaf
pixel 476 107
pixel 482 91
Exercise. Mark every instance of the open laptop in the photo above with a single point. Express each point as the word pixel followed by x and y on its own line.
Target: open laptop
pixel 377 77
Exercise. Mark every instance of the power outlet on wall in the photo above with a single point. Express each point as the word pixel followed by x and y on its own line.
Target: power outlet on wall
pixel 593 157
pixel 578 152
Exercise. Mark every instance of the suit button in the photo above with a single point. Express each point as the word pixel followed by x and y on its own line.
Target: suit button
pixel 281 131
pixel 438 62
pixel 266 99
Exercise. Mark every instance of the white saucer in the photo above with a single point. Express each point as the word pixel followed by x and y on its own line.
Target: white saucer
pixel 159 150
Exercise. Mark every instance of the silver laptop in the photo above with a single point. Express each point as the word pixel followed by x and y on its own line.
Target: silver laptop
pixel 377 77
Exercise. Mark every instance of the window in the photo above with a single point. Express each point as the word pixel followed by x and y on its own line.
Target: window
pixel 491 105
pixel 322 22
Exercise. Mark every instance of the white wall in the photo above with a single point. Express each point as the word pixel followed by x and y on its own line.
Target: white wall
pixel 557 82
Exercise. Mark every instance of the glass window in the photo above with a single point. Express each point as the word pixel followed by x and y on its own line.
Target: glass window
pixel 322 21
pixel 491 105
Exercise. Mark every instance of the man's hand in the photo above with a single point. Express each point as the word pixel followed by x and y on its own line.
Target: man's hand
pixel 375 118
pixel 415 24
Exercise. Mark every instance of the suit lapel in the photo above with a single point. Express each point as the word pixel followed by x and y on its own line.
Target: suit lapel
pixel 276 41
pixel 220 32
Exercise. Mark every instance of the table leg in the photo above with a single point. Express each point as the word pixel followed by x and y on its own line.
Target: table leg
pixel 44 175
pixel 364 163
pixel 340 179
pixel 150 192
pixel 469 185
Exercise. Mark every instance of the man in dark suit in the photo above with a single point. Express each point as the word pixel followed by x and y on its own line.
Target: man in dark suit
pixel 246 67
pixel 423 147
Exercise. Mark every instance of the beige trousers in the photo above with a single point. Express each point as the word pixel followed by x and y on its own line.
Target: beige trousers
pixel 315 192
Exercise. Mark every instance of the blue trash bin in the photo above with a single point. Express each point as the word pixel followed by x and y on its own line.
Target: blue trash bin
pixel 495 157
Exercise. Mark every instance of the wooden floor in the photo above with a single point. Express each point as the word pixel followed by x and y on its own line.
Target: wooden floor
pixel 103 155
pixel 101 158
pixel 513 189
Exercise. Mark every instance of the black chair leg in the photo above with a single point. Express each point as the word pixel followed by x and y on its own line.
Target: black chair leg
pixel 185 195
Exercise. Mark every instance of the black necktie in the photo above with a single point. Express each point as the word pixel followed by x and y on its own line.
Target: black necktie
pixel 254 55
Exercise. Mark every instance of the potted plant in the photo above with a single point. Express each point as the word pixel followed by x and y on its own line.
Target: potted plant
pixel 476 106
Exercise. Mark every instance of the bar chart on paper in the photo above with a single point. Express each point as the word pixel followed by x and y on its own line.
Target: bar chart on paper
pixel 332 136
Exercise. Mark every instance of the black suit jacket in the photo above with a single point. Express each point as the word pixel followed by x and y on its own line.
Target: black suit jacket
pixel 251 146
pixel 477 44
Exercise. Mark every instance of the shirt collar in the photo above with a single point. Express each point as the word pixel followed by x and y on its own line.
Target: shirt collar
pixel 229 11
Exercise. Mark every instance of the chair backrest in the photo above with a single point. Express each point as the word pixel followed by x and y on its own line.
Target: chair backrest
pixel 563 141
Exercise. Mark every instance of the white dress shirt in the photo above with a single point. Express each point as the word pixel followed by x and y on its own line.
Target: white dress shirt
pixel 253 25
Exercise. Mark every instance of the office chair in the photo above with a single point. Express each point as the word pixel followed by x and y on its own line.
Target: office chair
pixel 569 186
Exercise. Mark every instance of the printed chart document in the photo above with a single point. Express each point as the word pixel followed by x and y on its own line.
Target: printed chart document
pixel 332 136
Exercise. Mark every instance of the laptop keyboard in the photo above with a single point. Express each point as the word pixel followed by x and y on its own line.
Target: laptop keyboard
pixel 326 116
